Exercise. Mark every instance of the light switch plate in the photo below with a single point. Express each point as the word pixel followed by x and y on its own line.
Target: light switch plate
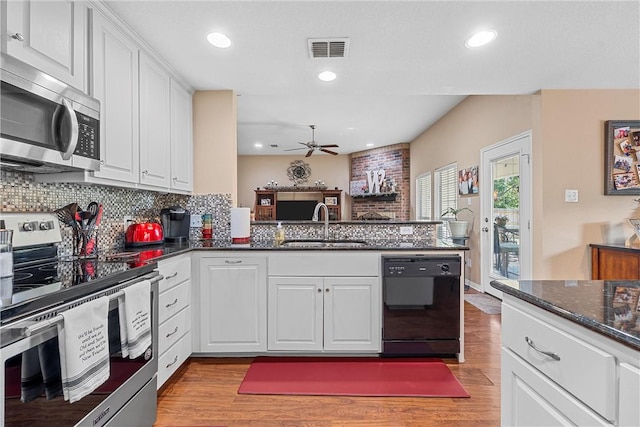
pixel 571 196
pixel 406 230
pixel 196 221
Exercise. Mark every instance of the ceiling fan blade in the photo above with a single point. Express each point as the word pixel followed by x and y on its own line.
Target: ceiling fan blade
pixel 291 149
pixel 329 151
pixel 310 152
pixel 330 145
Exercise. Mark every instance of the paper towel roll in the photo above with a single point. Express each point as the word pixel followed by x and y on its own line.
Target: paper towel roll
pixel 240 225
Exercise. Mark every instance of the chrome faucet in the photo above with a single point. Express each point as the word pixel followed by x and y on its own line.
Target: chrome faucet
pixel 326 218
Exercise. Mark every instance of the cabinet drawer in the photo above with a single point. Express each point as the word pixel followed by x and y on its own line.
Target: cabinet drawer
pixel 584 370
pixel 174 300
pixel 170 361
pixel 175 271
pixel 315 263
pixel 170 331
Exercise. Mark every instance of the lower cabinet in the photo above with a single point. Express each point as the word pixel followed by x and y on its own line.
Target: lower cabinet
pixel 324 314
pixel 233 304
pixel 557 373
pixel 174 315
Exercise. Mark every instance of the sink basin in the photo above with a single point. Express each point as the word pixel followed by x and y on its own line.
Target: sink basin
pixel 324 244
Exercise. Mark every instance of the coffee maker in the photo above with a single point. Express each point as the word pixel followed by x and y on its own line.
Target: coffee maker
pixel 175 224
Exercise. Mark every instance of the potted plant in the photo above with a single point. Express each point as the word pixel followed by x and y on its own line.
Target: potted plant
pixel 501 220
pixel 459 229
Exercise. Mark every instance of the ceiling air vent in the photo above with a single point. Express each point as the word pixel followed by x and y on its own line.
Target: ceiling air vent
pixel 328 48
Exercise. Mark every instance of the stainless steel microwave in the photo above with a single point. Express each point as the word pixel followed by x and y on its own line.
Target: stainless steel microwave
pixel 46 126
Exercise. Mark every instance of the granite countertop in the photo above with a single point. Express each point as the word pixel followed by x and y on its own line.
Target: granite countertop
pixel 609 307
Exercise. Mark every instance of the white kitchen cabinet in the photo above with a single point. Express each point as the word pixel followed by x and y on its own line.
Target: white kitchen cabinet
pixel 330 314
pixel 585 379
pixel 233 304
pixel 155 124
pixel 114 69
pixel 181 138
pixel 50 35
pixel 174 315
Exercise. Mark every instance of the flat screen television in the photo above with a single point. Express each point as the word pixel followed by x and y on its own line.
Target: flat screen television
pixel 295 210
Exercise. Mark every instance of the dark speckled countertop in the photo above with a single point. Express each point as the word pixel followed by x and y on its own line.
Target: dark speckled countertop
pixel 609 307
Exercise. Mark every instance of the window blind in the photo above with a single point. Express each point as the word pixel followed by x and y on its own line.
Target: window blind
pixel 446 189
pixel 423 193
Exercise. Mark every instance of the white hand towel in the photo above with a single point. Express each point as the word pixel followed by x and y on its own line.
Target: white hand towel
pixel 84 349
pixel 135 319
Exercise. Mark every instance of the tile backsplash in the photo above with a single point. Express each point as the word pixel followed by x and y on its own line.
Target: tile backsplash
pixel 19 192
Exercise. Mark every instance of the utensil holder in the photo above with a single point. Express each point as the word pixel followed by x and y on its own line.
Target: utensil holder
pixel 85 242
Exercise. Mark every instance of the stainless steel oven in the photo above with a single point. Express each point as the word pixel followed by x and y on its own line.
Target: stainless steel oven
pixel 45 286
pixel 421 305
pixel 46 126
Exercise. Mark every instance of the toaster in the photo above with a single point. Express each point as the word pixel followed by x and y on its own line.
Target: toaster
pixel 143 234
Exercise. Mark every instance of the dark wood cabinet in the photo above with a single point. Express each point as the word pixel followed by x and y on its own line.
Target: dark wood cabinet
pixel 615 262
pixel 265 208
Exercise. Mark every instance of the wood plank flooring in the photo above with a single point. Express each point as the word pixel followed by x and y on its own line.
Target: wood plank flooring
pixel 204 393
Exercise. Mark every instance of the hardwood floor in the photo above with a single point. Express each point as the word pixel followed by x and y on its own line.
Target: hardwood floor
pixel 204 393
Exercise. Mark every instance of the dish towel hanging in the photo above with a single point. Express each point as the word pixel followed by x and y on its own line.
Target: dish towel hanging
pixel 84 349
pixel 135 319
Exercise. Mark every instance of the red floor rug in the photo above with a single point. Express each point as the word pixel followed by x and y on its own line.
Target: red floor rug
pixel 351 376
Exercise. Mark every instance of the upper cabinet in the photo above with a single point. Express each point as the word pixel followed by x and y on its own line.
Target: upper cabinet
pixel 145 114
pixel 50 35
pixel 114 68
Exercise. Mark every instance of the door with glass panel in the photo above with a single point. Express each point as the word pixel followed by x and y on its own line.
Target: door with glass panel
pixel 506 211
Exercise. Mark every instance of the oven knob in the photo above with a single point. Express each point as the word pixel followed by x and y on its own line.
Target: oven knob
pixel 44 226
pixel 27 226
pixel 445 268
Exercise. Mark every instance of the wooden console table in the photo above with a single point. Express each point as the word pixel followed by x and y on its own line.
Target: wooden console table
pixel 615 262
pixel 266 204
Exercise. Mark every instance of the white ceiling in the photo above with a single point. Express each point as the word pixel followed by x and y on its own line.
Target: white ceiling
pixel 406 67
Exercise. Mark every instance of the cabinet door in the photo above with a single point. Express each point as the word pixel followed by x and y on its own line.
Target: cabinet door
pixel 53 34
pixel 352 314
pixel 181 139
pixel 114 68
pixel 295 313
pixel 629 395
pixel 613 264
pixel 155 124
pixel 530 399
pixel 233 304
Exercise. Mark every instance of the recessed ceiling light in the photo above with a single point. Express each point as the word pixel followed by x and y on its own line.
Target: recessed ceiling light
pixel 219 40
pixel 481 38
pixel 327 76
pixel 258 145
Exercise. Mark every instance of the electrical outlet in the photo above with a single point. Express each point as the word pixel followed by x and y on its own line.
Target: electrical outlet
pixel 571 196
pixel 468 262
pixel 406 230
pixel 195 221
pixel 127 220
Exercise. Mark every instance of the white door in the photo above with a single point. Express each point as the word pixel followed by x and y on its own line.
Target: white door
pixel 506 211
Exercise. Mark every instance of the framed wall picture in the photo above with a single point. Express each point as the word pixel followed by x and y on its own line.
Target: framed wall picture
pixel 265 202
pixel 331 201
pixel 622 157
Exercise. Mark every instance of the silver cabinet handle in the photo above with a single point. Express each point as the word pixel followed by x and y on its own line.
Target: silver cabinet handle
pixel 175 359
pixel 319 290
pixel 552 355
pixel 232 262
pixel 101 162
pixel 18 36
pixel 175 178
pixel 172 276
pixel 145 172
pixel 172 303
pixel 171 333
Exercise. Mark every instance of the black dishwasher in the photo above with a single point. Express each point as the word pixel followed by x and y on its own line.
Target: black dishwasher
pixel 421 305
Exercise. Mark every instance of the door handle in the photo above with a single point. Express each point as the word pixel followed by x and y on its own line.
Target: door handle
pixel 485 229
pixel 73 137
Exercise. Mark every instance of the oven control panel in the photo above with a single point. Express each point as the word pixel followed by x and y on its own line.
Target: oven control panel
pixel 417 266
pixel 32 228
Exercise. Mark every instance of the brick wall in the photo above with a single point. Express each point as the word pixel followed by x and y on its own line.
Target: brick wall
pixel 394 159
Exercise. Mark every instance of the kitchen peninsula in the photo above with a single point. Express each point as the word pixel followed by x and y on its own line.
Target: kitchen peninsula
pixel 570 352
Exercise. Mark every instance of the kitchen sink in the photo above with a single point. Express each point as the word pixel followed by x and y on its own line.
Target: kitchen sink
pixel 324 244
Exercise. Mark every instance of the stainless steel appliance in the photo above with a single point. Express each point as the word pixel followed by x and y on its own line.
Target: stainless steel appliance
pixel 46 126
pixel 421 305
pixel 175 223
pixel 45 286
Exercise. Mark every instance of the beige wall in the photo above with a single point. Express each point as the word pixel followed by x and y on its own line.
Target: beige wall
pixel 215 143
pixel 567 153
pixel 477 122
pixel 256 171
pixel 572 148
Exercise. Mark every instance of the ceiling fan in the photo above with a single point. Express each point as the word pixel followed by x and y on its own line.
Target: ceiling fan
pixel 313 145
